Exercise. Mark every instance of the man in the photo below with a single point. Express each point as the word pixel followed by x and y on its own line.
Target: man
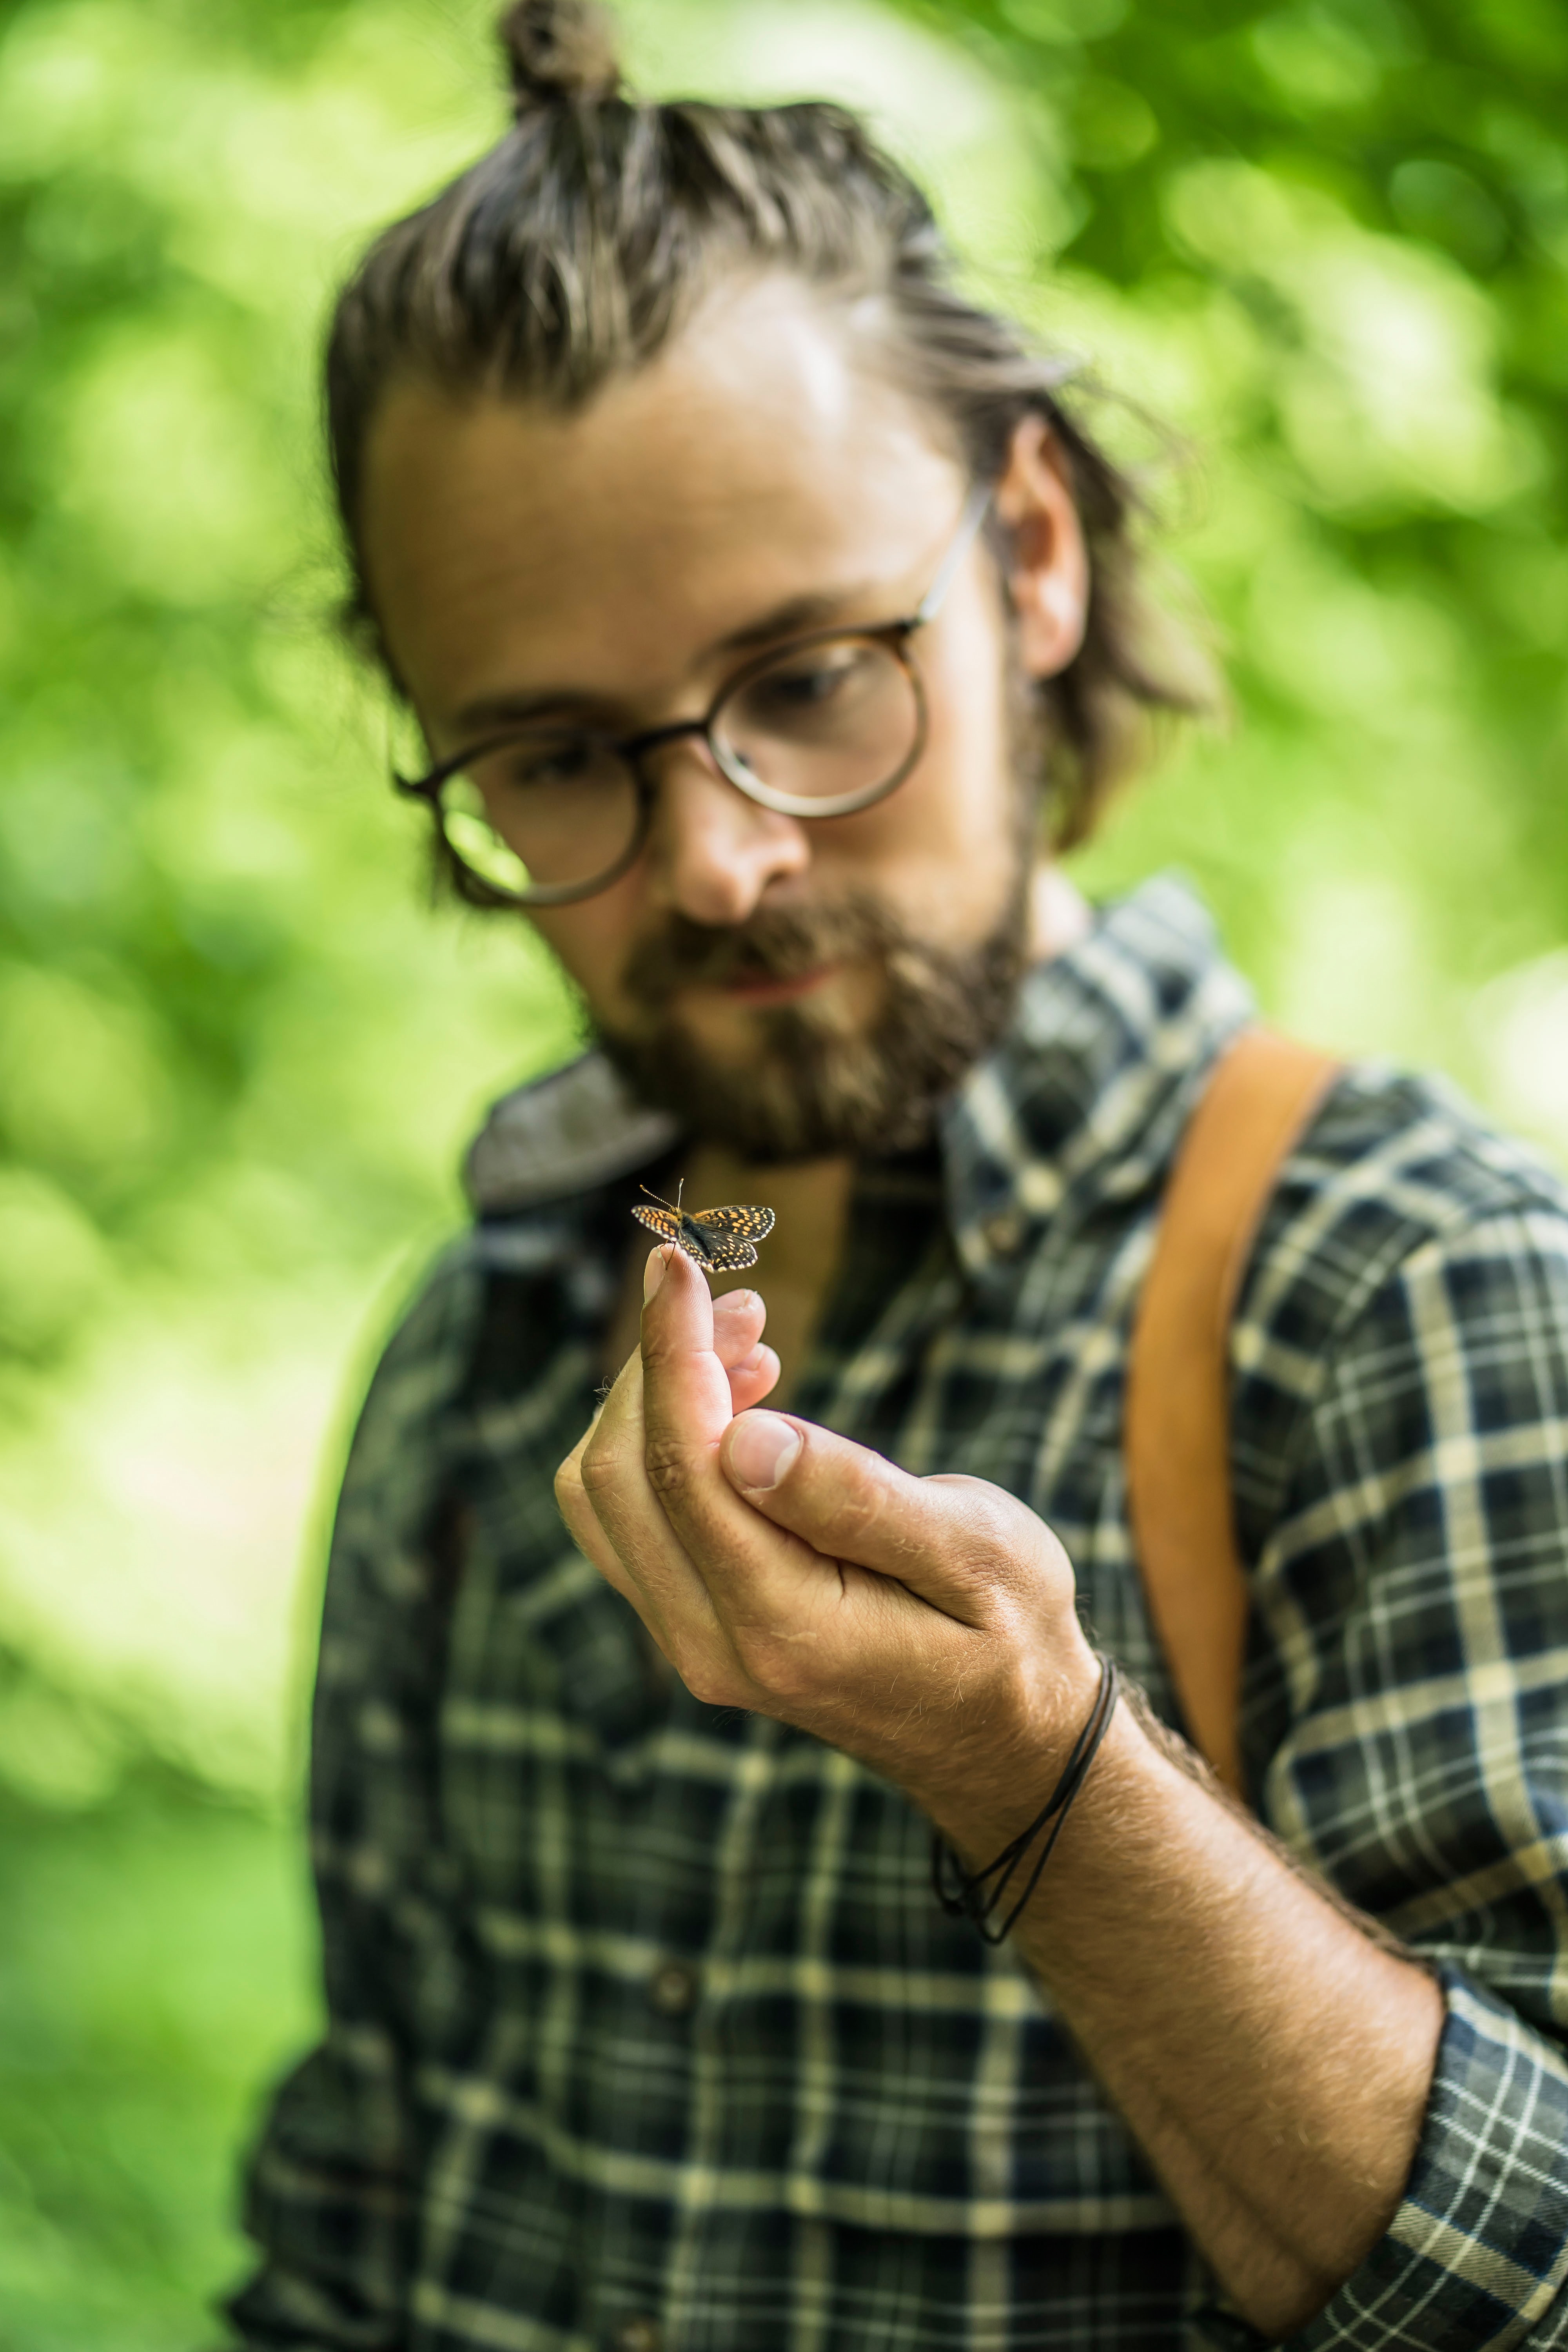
pixel 742 579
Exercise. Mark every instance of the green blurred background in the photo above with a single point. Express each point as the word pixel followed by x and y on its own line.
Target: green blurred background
pixel 238 1056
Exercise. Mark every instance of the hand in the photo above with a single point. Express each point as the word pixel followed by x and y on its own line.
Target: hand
pixel 923 1625
pixel 751 1368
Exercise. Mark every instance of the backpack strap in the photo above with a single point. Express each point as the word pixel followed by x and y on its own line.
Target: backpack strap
pixel 1177 1434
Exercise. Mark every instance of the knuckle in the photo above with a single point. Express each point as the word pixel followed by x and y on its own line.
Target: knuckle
pixel 771 1667
pixel 861 1511
pixel 751 1654
pixel 660 1346
pixel 988 1526
pixel 1010 1521
pixel 704 1677
pixel 596 1467
pixel 669 1468
pixel 992 1530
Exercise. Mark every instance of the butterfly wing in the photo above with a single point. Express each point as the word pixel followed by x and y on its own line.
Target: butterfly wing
pixel 662 1222
pixel 669 1228
pixel 744 1225
pixel 728 1234
pixel 728 1256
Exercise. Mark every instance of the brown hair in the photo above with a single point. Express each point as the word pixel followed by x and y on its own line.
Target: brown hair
pixel 573 250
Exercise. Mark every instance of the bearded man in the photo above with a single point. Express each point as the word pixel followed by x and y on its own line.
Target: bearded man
pixel 771 626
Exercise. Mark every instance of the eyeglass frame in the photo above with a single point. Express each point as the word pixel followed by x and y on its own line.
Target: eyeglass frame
pixel 632 750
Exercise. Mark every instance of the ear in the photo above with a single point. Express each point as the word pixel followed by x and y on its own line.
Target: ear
pixel 1047 566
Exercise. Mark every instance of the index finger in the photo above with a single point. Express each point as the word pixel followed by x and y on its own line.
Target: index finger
pixel 686 1405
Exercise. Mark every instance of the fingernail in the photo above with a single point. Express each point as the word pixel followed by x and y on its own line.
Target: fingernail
pixel 653 1272
pixel 761 1450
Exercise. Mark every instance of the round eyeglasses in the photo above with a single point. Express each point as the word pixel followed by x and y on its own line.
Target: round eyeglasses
pixel 824 725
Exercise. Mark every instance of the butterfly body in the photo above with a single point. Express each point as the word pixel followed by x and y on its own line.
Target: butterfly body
pixel 720 1240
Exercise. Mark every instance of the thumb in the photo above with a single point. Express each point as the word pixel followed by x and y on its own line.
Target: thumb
pixel 952 1540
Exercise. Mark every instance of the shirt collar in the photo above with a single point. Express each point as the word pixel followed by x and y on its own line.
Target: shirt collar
pixel 561 1137
pixel 1083 1098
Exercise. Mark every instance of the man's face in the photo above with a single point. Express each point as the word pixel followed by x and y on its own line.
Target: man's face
pixel 791 987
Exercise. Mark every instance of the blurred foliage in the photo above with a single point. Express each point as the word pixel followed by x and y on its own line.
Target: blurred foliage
pixel 1330 242
pixel 238 1058
pixel 153 1974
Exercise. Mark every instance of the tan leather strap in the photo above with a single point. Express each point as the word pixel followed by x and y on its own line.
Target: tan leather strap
pixel 1264 1090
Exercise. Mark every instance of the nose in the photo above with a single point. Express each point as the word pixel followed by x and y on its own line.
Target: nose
pixel 713 852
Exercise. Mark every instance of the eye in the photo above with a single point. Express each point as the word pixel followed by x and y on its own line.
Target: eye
pixel 810 680
pixel 555 761
pixel 524 767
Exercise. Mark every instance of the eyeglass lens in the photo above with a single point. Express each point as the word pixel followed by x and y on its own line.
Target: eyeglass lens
pixel 826 722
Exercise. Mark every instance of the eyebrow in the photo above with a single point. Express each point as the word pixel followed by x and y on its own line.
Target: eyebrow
pixel 796 617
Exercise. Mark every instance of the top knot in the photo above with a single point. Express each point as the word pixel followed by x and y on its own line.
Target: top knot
pixel 558 50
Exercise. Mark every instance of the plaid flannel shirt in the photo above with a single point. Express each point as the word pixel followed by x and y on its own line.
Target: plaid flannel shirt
pixel 644 2027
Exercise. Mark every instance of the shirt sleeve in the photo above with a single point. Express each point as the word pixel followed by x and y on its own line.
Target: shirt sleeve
pixel 1416 1595
pixel 329 2193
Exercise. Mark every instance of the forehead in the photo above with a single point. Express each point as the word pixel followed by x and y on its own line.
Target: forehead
pixel 759 457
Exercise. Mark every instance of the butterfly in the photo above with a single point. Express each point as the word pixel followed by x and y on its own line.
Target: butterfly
pixel 718 1239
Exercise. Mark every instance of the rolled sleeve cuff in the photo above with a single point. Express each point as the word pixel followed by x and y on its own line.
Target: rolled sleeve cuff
pixel 1477 2251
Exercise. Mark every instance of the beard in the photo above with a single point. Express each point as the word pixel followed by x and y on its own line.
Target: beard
pixel 813 1085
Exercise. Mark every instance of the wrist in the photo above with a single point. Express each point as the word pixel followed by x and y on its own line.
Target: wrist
pixel 995 1895
pixel 990 1792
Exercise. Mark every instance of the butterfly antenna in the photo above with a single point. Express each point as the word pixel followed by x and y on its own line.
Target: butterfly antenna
pixel 678 1190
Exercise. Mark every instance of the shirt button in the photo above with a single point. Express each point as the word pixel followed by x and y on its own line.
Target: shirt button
pixel 671 1992
pixel 1003 1234
pixel 638 2333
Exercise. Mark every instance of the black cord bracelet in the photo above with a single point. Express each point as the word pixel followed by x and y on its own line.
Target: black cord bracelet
pixel 964 1894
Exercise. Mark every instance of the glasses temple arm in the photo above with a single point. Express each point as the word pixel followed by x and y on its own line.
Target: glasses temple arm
pixel 975 514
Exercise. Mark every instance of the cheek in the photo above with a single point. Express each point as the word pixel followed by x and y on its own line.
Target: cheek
pixel 949 831
pixel 590 940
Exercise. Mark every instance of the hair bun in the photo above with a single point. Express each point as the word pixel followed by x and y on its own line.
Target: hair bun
pixel 557 50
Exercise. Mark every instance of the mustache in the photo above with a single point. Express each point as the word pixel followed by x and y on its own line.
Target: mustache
pixel 775 944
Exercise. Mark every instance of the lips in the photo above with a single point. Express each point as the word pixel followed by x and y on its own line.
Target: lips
pixel 779 954
pixel 764 987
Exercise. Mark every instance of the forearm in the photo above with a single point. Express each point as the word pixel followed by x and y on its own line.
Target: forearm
pixel 1271 2056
